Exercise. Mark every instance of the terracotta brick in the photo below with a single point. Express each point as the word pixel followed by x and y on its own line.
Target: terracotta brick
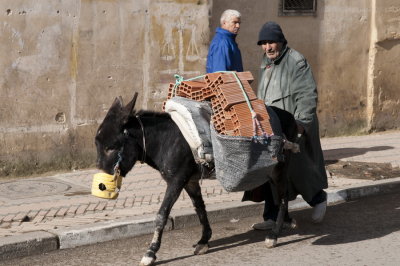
pixel 211 77
pixel 243 76
pixel 231 113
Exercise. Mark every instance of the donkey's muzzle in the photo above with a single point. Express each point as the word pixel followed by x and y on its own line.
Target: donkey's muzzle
pixel 106 186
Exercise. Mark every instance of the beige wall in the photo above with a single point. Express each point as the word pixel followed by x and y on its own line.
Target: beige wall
pixel 353 48
pixel 63 63
pixel 384 73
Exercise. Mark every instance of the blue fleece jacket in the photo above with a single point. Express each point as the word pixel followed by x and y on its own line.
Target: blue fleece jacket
pixel 224 53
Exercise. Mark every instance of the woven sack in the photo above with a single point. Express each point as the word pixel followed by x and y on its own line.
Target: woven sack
pixel 242 163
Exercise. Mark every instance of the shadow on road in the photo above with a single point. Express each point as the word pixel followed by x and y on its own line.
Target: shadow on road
pixel 364 219
pixel 359 220
pixel 351 222
pixel 337 154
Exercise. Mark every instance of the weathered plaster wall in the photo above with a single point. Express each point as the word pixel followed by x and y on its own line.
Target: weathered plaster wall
pixel 63 63
pixel 356 73
pixel 384 86
pixel 342 66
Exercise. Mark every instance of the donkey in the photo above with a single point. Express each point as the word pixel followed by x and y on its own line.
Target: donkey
pixel 126 136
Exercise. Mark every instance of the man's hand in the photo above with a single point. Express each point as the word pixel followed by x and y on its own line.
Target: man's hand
pixel 300 129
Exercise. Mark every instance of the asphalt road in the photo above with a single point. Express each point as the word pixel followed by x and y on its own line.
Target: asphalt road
pixel 362 232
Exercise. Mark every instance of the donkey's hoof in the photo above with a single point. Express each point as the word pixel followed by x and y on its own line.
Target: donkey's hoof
pixel 201 249
pixel 271 242
pixel 293 224
pixel 147 261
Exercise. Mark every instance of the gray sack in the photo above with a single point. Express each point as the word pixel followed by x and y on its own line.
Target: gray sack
pixel 241 163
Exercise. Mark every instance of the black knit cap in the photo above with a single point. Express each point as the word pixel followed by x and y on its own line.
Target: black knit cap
pixel 271 31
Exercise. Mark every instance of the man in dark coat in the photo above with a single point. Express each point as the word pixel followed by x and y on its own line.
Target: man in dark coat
pixel 286 82
pixel 224 53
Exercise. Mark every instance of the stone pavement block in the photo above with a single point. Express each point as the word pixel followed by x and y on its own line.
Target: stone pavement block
pixel 129 202
pixel 120 203
pixel 101 206
pixel 32 214
pixel 92 206
pixel 21 216
pixel 62 212
pixel 52 213
pixel 72 210
pixel 111 204
pixel 156 199
pixel 40 216
pixel 81 209
pixel 8 218
pixel 138 201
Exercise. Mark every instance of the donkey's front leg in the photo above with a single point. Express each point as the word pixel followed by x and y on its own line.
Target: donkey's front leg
pixel 171 195
pixel 194 191
pixel 272 239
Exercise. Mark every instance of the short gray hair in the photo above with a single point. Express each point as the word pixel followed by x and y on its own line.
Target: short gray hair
pixel 229 13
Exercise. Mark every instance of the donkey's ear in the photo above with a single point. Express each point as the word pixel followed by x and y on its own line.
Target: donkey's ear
pixel 129 108
pixel 118 103
pixel 116 106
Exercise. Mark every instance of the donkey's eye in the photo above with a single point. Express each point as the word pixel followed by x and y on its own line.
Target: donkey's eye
pixel 108 150
pixel 110 147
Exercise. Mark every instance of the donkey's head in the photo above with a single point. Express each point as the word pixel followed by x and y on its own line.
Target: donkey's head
pixel 113 143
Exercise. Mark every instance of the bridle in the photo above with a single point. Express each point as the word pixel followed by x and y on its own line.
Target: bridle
pixel 126 135
pixel 144 139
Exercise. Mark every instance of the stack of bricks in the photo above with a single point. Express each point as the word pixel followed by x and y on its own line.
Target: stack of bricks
pixel 231 113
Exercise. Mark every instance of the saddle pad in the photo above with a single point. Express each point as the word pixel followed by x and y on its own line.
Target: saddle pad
pixel 193 119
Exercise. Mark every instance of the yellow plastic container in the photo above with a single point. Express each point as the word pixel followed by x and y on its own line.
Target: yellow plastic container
pixel 106 186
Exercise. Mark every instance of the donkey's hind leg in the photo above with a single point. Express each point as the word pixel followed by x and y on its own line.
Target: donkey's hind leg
pixel 171 195
pixel 194 191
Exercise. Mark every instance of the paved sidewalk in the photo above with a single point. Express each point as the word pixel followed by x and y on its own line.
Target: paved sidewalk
pixel 55 212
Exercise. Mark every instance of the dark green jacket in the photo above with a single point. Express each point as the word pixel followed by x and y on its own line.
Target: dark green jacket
pixel 288 83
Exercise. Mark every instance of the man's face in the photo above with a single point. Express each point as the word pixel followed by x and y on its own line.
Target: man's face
pixel 232 24
pixel 272 49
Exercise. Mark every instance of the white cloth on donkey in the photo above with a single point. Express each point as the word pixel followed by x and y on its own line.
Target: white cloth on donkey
pixel 193 119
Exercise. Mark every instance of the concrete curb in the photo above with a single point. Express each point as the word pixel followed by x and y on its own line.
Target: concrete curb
pixel 27 244
pixel 373 188
pixel 105 231
pixel 39 242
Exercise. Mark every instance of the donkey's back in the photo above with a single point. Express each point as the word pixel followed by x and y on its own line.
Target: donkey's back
pixel 166 147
